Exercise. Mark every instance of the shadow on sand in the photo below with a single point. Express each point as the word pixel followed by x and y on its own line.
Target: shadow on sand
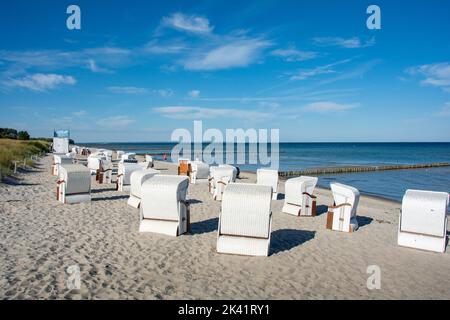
pixel 111 198
pixel 204 226
pixel 321 209
pixel 363 221
pixel 286 239
pixel 16 182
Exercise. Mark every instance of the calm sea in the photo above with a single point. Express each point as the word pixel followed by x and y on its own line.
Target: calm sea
pixel 298 156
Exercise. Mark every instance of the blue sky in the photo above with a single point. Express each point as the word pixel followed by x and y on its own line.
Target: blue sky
pixel 139 69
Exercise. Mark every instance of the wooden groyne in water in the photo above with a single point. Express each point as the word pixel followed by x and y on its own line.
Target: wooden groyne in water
pixel 350 169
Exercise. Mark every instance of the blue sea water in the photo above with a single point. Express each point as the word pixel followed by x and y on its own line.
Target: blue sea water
pixel 387 184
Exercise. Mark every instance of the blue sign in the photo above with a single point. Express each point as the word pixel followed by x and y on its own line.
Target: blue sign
pixel 61 134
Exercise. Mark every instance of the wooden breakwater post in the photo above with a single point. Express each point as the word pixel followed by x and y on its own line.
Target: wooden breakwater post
pixel 355 169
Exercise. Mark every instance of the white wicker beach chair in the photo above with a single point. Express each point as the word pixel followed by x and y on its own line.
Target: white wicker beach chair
pixel 342 215
pixel 137 178
pixel 299 199
pixel 94 162
pixel 58 160
pixel 145 164
pixel 220 177
pixel 104 173
pixel 245 220
pixel 73 184
pixel 164 208
pixel 118 155
pixel 268 177
pixel 124 171
pixel 199 171
pixel 128 156
pixel 423 220
pixel 233 179
pixel 149 159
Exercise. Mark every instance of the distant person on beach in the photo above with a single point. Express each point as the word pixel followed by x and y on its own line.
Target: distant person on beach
pixel 165 157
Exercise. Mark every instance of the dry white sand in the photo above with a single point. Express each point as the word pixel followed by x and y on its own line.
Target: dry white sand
pixel 41 237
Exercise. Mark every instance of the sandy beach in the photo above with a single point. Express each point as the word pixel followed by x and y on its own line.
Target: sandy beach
pixel 42 237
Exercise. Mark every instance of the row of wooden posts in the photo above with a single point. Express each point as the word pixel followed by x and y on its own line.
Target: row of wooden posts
pixel 18 163
pixel 349 169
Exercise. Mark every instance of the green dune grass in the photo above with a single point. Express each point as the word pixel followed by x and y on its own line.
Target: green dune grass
pixel 11 150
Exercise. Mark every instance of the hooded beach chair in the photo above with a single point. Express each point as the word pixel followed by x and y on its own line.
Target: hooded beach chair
pixel 149 160
pixel 235 170
pixel 104 173
pixel 73 184
pixel 245 220
pixel 124 171
pixel 184 167
pixel 299 199
pixel 211 182
pixel 268 177
pixel 342 215
pixel 199 170
pixel 423 220
pixel 94 162
pixel 58 160
pixel 117 156
pixel 220 177
pixel 164 208
pixel 128 156
pixel 137 178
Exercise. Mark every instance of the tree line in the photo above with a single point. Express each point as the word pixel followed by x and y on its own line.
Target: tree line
pixel 9 133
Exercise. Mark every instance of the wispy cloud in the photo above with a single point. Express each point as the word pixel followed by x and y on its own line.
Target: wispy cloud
pixel 190 112
pixel 357 72
pixel 328 106
pixel 40 82
pixel 194 93
pixel 92 65
pixel 292 54
pixel 269 104
pixel 170 47
pixel 349 43
pixel 165 93
pixel 115 122
pixel 80 113
pixel 188 23
pixel 231 54
pixel 436 74
pixel 109 57
pixel 325 69
pixel 127 90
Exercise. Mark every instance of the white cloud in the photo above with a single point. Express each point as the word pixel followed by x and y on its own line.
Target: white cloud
pixel 189 23
pixel 20 61
pixel 80 113
pixel 127 90
pixel 325 69
pixel 358 72
pixel 41 82
pixel 194 93
pixel 444 112
pixel 327 106
pixel 92 65
pixel 349 43
pixel 235 53
pixel 436 74
pixel 165 93
pixel 189 112
pixel 173 47
pixel 269 104
pixel 291 54
pixel 115 122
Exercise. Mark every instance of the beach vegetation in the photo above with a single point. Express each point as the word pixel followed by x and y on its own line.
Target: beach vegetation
pixel 17 150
